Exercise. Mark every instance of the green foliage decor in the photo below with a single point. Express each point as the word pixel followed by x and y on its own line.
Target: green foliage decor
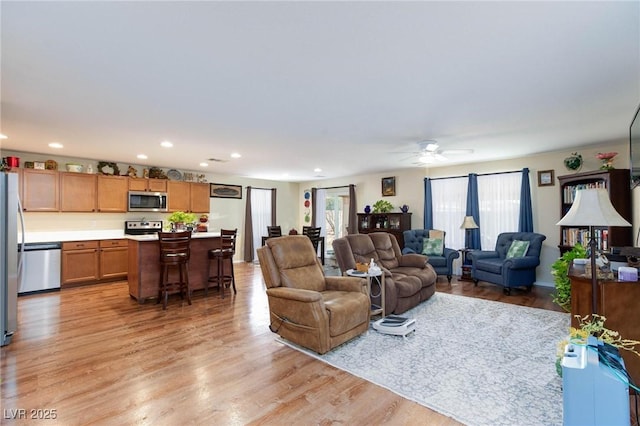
pixel 382 206
pixel 560 269
pixel 182 217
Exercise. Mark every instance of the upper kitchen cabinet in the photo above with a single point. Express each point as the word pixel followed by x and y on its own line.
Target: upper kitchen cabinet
pixel 150 185
pixel 200 197
pixel 78 192
pixel 112 193
pixel 188 196
pixel 40 190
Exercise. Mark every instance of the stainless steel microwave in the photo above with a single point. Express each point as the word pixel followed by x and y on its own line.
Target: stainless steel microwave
pixel 140 201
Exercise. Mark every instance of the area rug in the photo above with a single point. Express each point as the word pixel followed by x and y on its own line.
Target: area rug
pixel 476 361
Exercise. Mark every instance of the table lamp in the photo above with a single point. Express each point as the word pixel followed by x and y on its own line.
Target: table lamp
pixel 592 207
pixel 467 224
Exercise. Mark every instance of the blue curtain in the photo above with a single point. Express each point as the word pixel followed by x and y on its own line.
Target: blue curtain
pixel 472 237
pixel 428 201
pixel 525 222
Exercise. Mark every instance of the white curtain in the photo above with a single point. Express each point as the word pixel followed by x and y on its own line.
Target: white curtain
pixel 320 208
pixel 449 208
pixel 260 216
pixel 499 197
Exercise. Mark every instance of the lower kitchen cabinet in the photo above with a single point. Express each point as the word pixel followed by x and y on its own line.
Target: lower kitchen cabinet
pixel 86 262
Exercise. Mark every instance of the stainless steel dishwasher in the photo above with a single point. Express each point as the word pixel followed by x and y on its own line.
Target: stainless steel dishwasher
pixel 39 267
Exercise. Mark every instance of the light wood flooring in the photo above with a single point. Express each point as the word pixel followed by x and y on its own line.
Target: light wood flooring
pixel 93 355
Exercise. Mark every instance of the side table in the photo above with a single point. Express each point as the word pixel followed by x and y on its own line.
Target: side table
pixel 466 269
pixel 379 278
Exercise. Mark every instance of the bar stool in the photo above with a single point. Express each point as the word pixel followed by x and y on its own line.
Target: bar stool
pixel 174 253
pixel 224 253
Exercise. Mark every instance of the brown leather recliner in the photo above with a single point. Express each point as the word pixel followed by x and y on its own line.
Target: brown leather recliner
pixel 409 279
pixel 306 307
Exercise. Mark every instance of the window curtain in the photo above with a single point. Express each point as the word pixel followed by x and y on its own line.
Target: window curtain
pixel 319 208
pixel 352 228
pixel 314 196
pixel 499 196
pixel 274 222
pixel 257 218
pixel 428 205
pixel 525 222
pixel 472 238
pixel 448 203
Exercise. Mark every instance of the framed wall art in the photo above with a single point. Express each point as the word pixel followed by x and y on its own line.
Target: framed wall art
pixel 221 190
pixel 545 178
pixel 388 186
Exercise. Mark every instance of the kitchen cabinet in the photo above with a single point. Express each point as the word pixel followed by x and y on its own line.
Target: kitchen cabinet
pixel 114 259
pixel 80 262
pixel 78 192
pixel 150 185
pixel 86 262
pixel 188 196
pixel 112 194
pixel 40 190
pixel 200 197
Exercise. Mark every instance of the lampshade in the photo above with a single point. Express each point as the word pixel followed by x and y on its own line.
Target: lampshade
pixel 469 223
pixel 592 207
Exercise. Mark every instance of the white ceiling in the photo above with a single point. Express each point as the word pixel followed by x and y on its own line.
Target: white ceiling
pixel 342 86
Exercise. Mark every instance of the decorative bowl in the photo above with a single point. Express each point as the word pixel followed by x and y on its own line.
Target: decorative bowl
pixel 76 168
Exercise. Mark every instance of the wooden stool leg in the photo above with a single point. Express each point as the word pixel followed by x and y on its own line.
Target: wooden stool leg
pixel 233 277
pixel 221 276
pixel 186 282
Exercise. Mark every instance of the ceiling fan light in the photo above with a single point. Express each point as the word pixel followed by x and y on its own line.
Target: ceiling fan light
pixel 440 157
pixel 431 147
pixel 426 159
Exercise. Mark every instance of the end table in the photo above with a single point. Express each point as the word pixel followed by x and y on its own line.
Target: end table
pixel 379 278
pixel 466 269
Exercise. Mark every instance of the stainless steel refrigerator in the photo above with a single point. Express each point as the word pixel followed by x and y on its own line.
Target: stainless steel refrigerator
pixel 9 212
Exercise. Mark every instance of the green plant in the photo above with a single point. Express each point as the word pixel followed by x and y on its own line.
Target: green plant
pixel 382 206
pixel 559 270
pixel 182 217
pixel 593 326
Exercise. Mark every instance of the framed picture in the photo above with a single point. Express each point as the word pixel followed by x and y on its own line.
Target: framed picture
pixel 388 186
pixel 221 190
pixel 545 178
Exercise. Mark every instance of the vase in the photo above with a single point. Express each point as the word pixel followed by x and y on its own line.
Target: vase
pixel 367 209
pixel 607 164
pixel 404 208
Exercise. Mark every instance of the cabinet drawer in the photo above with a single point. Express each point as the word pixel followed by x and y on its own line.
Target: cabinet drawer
pixel 114 243
pixel 79 245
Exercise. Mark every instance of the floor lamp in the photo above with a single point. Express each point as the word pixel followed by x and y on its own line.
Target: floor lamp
pixel 592 207
pixel 467 224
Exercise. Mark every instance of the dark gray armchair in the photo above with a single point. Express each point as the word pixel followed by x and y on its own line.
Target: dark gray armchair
pixel 496 267
pixel 414 242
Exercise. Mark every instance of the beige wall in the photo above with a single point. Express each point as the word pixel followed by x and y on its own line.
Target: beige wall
pixel 545 200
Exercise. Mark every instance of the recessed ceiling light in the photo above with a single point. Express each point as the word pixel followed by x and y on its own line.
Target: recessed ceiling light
pixel 142 156
pixel 166 144
pixel 204 164
pixel 235 155
pixel 3 136
pixel 317 170
pixel 56 145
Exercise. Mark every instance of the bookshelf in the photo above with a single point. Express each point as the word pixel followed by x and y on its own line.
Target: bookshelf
pixel 618 185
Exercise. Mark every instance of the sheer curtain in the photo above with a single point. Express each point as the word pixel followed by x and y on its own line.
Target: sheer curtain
pixel 449 203
pixel 499 196
pixel 261 207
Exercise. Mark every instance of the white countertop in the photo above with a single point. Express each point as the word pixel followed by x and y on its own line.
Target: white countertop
pixel 104 234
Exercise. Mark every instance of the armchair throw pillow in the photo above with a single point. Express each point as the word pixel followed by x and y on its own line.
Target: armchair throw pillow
pixel 432 246
pixel 518 249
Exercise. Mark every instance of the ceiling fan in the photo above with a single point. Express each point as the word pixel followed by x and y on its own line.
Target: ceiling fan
pixel 430 152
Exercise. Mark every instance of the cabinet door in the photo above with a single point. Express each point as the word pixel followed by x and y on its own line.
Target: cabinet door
pixel 137 184
pixel 112 194
pixel 200 197
pixel 40 190
pixel 80 262
pixel 157 185
pixel 114 259
pixel 78 192
pixel 179 196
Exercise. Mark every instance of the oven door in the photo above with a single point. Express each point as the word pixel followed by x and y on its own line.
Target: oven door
pixel 140 201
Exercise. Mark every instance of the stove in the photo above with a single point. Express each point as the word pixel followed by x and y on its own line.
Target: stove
pixel 142 227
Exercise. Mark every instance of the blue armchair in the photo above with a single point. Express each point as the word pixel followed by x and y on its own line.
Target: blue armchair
pixel 413 243
pixel 498 268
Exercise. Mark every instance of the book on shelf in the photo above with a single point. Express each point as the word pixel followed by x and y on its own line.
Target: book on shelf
pixel 569 191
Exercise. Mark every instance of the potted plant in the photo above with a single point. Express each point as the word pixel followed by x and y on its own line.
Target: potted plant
pixel 560 269
pixel 382 206
pixel 180 219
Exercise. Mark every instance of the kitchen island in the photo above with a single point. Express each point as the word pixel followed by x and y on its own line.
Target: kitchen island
pixel 144 265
